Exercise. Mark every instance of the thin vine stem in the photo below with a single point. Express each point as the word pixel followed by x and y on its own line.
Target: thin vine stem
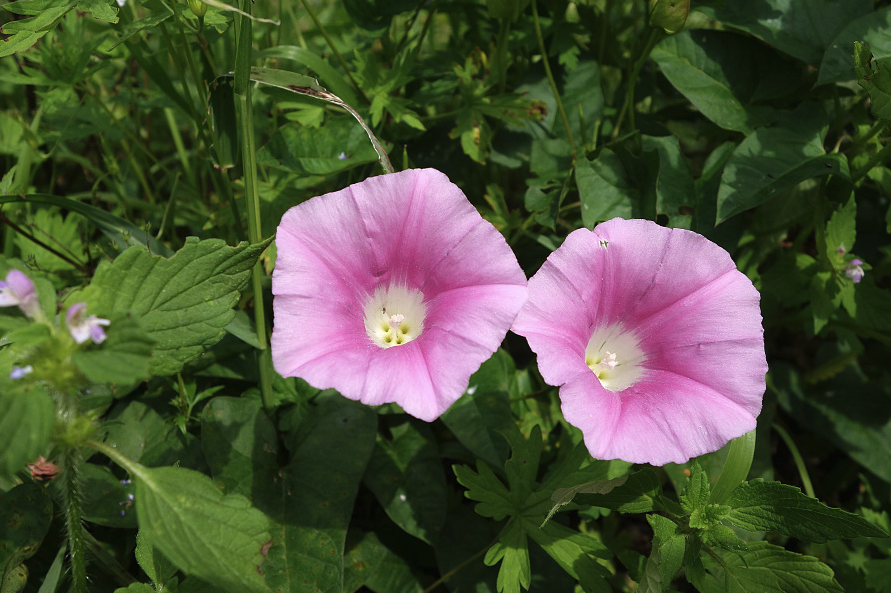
pixel 799 461
pixel 550 75
pixel 467 561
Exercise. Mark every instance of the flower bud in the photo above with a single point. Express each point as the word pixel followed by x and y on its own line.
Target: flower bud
pixel 197 7
pixel 669 14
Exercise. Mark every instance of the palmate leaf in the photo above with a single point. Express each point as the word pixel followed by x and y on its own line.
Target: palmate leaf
pixel 183 303
pixel 772 506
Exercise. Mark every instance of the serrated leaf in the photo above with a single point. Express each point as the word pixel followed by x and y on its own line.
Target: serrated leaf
pixel 158 568
pixel 183 303
pixel 841 230
pixel 512 551
pixel 772 506
pixel 26 423
pixel 99 9
pixel 696 491
pixel 771 569
pixel 637 495
pixel 774 159
pixel 44 15
pixel 708 515
pixel 666 556
pixel 875 77
pixel 214 537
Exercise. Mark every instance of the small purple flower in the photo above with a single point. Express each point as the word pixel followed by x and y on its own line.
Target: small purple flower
pixel 342 156
pixel 83 328
pixel 854 270
pixel 654 338
pixel 18 290
pixel 19 372
pixel 392 290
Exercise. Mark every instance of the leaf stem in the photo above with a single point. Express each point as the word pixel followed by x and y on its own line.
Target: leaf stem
pixel 245 115
pixel 799 461
pixel 550 75
pixel 333 47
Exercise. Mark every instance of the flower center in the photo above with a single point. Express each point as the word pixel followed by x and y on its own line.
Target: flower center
pixel 615 357
pixel 394 315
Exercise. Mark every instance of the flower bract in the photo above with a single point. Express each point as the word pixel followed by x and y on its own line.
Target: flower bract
pixel 654 338
pixel 83 327
pixel 392 290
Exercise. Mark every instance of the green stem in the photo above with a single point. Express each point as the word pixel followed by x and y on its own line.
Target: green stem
pixel 245 116
pixel 655 37
pixel 71 461
pixel 330 43
pixel 799 461
pixel 468 561
pixel 550 75
pixel 501 52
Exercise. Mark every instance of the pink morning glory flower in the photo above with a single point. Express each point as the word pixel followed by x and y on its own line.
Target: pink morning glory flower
pixel 83 328
pixel 392 290
pixel 654 338
pixel 18 290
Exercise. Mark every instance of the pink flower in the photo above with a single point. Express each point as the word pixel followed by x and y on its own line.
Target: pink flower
pixel 18 290
pixel 654 337
pixel 854 270
pixel 392 290
pixel 83 328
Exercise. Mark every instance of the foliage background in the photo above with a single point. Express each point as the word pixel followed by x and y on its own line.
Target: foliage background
pixel 759 125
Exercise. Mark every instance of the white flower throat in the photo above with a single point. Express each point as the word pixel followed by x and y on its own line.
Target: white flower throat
pixel 615 357
pixel 394 315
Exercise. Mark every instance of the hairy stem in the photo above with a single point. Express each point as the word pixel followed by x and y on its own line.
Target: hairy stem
pixel 71 500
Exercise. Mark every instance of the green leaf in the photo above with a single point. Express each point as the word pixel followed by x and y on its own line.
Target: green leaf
pixel 25 515
pixel 875 78
pixel 183 303
pixel 583 99
pixel 135 588
pixel 841 230
pixel 775 159
pixel 575 552
pixel 405 475
pixel 120 232
pixel 26 424
pixel 669 14
pixel 848 410
pixel 494 499
pixel 605 190
pixel 106 499
pixel 675 187
pixel 638 494
pixel 372 564
pixel 706 69
pixel 44 16
pixel 319 65
pixel 772 506
pixel 769 569
pixel 99 9
pixel 696 492
pixel 310 501
pixel 522 467
pixel 512 551
pixel 240 444
pixel 666 556
pixel 214 537
pixel 803 29
pixel 483 408
pixel 871 29
pixel 158 568
pixel 123 358
pixel 338 145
